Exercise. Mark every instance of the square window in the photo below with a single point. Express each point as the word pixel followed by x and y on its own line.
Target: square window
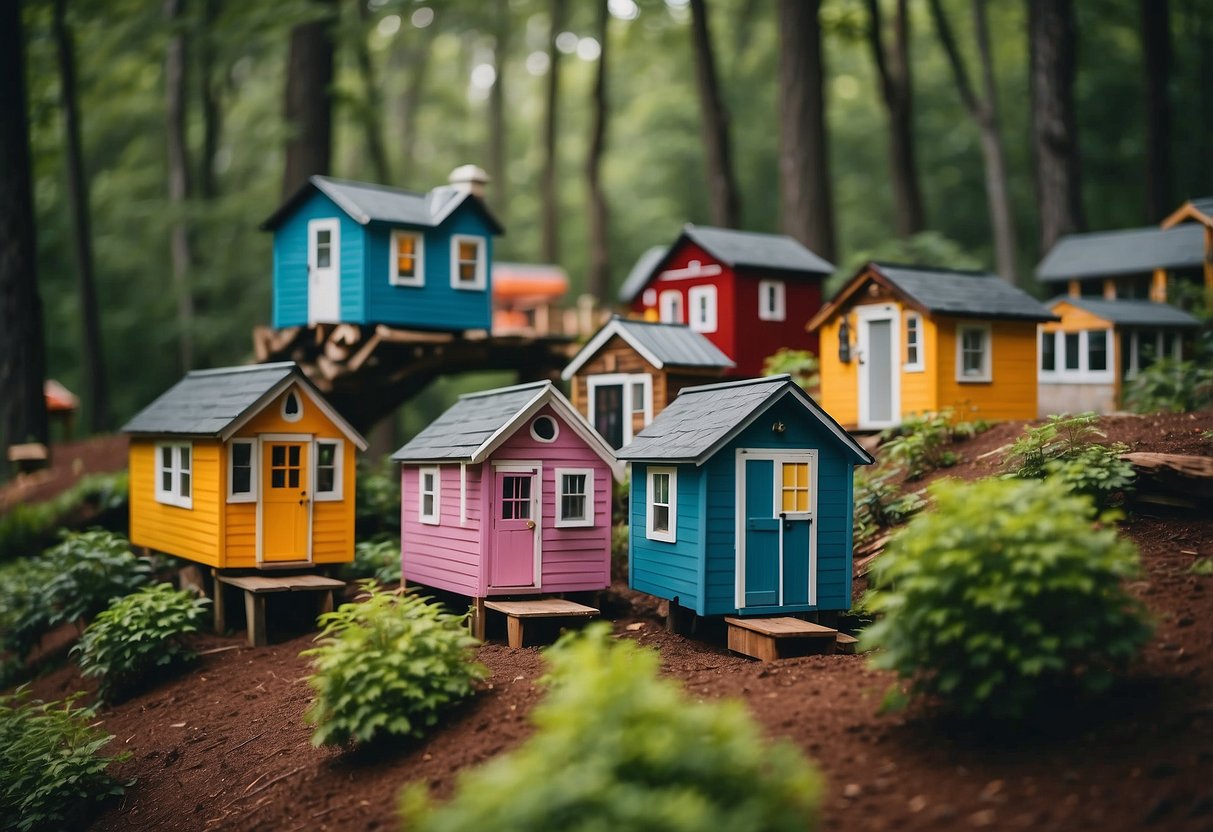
pixel 174 476
pixel 574 497
pixel 467 263
pixel 795 487
pixel 407 261
pixel 973 353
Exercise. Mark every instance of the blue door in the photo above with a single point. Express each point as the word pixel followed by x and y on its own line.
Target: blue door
pixel 779 492
pixel 761 535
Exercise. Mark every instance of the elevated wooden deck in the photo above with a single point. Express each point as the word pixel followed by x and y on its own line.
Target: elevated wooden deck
pixel 782 637
pixel 519 612
pixel 256 587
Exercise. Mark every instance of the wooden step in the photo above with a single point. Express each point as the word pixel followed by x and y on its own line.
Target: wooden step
pixel 844 643
pixel 518 612
pixel 780 637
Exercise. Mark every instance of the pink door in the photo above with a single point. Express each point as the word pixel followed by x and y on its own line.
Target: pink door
pixel 514 530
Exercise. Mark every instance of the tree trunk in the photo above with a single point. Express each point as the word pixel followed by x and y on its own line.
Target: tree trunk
pixel 22 344
pixel 175 62
pixel 96 390
pixel 371 105
pixel 599 271
pixel 1156 51
pixel 309 99
pixel 548 185
pixel 804 163
pixel 414 63
pixel 725 199
pixel 209 94
pixel 984 112
pixel 1052 40
pixel 497 128
pixel 893 70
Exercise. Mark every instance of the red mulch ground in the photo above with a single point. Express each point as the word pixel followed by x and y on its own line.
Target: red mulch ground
pixel 223 746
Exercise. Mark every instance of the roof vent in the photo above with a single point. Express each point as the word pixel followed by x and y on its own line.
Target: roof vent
pixel 469 179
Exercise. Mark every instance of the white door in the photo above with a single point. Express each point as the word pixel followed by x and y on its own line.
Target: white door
pixel 879 370
pixel 324 271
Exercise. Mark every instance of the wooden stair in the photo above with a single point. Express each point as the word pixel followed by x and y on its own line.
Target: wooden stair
pixel 518 613
pixel 783 637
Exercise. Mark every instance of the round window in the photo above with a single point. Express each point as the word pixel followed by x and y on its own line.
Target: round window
pixel 544 429
pixel 292 408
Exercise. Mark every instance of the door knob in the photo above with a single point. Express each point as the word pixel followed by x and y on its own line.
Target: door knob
pixel 530 524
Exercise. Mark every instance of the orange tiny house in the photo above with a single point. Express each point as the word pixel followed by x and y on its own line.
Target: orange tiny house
pixel 244 468
pixel 898 340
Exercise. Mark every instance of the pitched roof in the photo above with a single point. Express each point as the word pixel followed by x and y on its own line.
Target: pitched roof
pixel 215 403
pixel 473 427
pixel 1130 251
pixel 659 344
pixel 703 419
pixel 640 273
pixel 963 294
pixel 1198 209
pixel 365 202
pixel 1131 312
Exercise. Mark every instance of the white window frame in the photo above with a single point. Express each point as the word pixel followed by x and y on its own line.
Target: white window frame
pixel 298 414
pixel 314 227
pixel 779 310
pixel 695 295
pixel 249 496
pixel 481 267
pixel 1083 374
pixel 338 485
pixel 434 518
pixel 563 522
pixel 555 428
pixel 670 535
pixel 1161 336
pixel 669 307
pixel 173 496
pixel 987 354
pixel 418 279
pixel 592 383
pixel 917 365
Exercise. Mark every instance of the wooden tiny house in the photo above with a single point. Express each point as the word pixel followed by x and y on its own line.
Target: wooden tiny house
pixel 630 370
pixel 898 340
pixel 244 467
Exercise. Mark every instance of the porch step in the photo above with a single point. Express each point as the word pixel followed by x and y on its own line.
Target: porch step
pixel 767 639
pixel 518 612
pixel 256 587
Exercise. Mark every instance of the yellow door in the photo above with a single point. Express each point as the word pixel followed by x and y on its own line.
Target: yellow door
pixel 285 504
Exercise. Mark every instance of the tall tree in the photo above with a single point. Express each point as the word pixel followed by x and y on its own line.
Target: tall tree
pixel 1052 46
pixel 22 344
pixel 1156 51
pixel 548 184
pixel 599 267
pixel 210 84
pixel 309 97
pixel 804 159
pixel 371 106
pixel 896 90
pixel 175 62
pixel 497 128
pixel 412 60
pixel 722 184
pixel 96 394
pixel 984 111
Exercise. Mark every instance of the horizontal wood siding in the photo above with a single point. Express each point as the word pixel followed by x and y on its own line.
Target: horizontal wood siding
pixel 291 263
pixel 239 534
pixel 667 570
pixel 192 533
pixel 839 381
pixel 1011 392
pixel 919 387
pixel 446 556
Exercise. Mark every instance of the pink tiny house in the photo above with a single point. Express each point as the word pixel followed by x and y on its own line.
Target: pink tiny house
pixel 507 493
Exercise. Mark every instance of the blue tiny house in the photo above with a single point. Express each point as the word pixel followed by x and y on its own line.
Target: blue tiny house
pixel 741 501
pixel 352 252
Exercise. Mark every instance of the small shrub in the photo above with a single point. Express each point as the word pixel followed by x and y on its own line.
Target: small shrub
pixel 919 445
pixel 879 504
pixel 25 610
pixel 801 365
pixel 377 503
pixel 1202 567
pixel 1002 591
pixel 620 537
pixel 387 666
pixel 1066 447
pixel 138 634
pixel 28 528
pixel 378 559
pixel 1170 385
pixel 51 767
pixel 90 569
pixel 616 747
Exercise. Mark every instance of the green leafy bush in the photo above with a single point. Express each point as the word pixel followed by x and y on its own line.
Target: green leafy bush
pixel 919 444
pixel 620 538
pixel 1170 385
pixel 1066 447
pixel 377 503
pixel 1003 590
pixel 25 613
pixel 801 365
pixel 879 504
pixel 378 559
pixel 617 747
pixel 138 634
pixel 27 528
pixel 387 666
pixel 51 767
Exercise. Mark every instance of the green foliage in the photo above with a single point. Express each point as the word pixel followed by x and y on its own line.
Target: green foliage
pixel 926 248
pixel 138 634
pixel 377 503
pixel 1202 566
pixel 620 538
pixel 387 666
pixel 920 443
pixel 27 528
pixel 879 504
pixel 378 559
pixel 1002 591
pixel 616 747
pixel 1065 447
pixel 1170 385
pixel 801 365
pixel 51 767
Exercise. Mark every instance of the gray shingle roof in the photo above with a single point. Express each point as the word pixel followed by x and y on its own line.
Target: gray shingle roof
pixel 1131 251
pixel 964 293
pixel 1204 204
pixel 640 273
pixel 1132 312
pixel 702 419
pixel 660 344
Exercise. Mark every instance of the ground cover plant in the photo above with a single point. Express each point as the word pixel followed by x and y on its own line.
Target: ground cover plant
pixel 616 747
pixel 879 503
pixel 378 558
pixel 1170 385
pixel 919 445
pixel 1067 448
pixel 138 634
pixel 1002 592
pixel 388 665
pixel 27 528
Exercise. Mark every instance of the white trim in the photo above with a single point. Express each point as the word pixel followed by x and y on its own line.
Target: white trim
pixel 626 380
pixel 587 521
pixel 612 328
pixel 865 315
pixel 435 517
pixel 918 364
pixel 522 466
pixel 692 269
pixel 706 295
pixel 649 298
pixel 316 273
pixel 333 416
pixel 463 493
pixel 555 429
pixel 778 311
pixel 303 438
pixel 671 534
pixel 1161 338
pixel 666 312
pixel 1083 374
pixel 418 278
pixel 251 495
pixel 481 268
pixel 338 471
pixel 298 414
pixel 173 496
pixel 987 354
pixel 776 457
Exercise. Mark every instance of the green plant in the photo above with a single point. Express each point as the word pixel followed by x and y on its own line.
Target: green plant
pixel 1065 447
pixel 879 504
pixel 377 503
pixel 28 528
pixel 620 539
pixel 1202 566
pixel 137 634
pixel 919 444
pixel 1170 385
pixel 51 767
pixel 617 747
pixel 387 666
pixel 89 570
pixel 801 365
pixel 1003 590
pixel 378 559
pixel 25 612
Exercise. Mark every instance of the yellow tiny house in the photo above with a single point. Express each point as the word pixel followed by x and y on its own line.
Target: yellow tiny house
pixel 244 468
pixel 898 340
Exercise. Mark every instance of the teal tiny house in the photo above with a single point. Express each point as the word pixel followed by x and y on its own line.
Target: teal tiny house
pixel 352 252
pixel 741 501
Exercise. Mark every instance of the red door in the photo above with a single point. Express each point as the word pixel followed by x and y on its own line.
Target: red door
pixel 514 530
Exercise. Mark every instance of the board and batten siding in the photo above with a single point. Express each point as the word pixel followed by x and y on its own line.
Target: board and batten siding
pixel 445 556
pixel 668 570
pixel 193 533
pixel 290 302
